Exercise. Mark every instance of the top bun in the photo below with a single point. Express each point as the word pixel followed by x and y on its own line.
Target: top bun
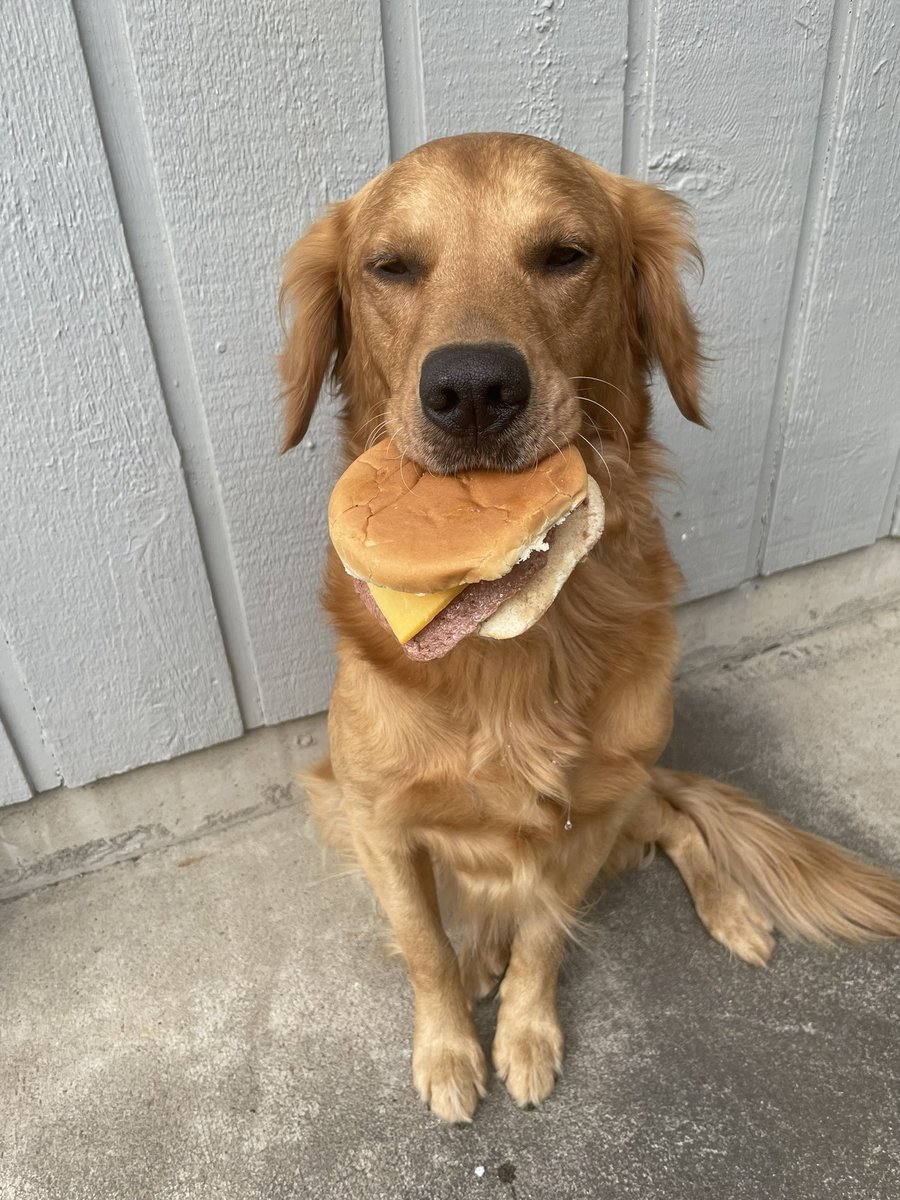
pixel 395 525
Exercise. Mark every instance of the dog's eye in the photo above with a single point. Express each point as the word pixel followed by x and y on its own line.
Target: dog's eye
pixel 563 256
pixel 393 267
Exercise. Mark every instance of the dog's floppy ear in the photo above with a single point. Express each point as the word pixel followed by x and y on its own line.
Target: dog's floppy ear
pixel 312 316
pixel 661 244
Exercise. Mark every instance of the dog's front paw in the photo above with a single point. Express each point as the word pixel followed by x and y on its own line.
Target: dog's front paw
pixel 528 1055
pixel 449 1071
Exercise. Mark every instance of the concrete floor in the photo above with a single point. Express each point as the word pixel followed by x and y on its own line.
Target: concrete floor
pixel 217 1019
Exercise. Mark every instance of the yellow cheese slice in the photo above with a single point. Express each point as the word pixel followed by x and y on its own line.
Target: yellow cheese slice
pixel 408 614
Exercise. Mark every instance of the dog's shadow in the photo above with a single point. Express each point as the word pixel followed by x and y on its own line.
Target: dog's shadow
pixel 733 735
pixel 730 736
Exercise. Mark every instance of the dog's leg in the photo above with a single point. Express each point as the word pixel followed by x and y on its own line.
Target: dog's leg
pixel 449 1067
pixel 724 907
pixel 528 1044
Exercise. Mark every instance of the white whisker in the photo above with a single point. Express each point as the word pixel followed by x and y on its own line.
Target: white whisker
pixel 377 417
pixel 402 476
pixel 588 417
pixel 588 400
pixel 376 434
pixel 574 378
pixel 602 459
pixel 543 341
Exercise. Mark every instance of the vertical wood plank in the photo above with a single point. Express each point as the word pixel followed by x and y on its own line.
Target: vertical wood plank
pixel 841 429
pixel 257 115
pixel 548 68
pixel 103 596
pixel 14 787
pixel 731 101
pixel 890 522
pixel 104 42
pixel 23 725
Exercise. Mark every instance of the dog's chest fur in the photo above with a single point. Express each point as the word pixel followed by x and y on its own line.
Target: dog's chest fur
pixel 488 743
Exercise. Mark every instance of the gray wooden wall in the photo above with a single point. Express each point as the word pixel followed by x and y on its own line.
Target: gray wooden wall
pixel 159 561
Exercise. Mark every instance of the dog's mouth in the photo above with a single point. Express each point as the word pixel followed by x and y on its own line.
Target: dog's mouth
pixel 444 455
pixel 519 447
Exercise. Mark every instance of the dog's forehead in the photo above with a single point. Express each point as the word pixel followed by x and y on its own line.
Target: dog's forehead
pixel 507 183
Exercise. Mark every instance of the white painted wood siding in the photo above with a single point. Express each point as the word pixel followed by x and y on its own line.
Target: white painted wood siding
pixel 839 434
pixel 13 784
pixel 256 115
pixel 104 598
pixel 728 122
pixel 159 561
pixel 555 70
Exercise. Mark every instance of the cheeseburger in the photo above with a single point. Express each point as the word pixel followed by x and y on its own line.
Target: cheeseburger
pixel 436 558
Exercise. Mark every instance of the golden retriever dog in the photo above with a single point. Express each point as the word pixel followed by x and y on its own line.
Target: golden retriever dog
pixel 510 774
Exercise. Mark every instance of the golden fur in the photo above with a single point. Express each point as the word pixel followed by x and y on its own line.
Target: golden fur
pixel 467 769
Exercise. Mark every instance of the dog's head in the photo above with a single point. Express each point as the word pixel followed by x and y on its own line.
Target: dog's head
pixel 487 298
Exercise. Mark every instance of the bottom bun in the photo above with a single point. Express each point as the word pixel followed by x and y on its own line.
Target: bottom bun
pixel 572 540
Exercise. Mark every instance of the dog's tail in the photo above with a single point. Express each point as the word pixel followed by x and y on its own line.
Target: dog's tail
pixel 810 888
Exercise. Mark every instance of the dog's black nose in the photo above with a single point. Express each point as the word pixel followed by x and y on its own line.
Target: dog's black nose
pixel 473 390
